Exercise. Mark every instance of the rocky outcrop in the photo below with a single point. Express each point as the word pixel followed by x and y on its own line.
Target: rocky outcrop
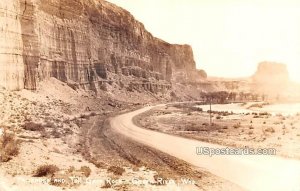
pixel 271 78
pixel 271 72
pixel 86 42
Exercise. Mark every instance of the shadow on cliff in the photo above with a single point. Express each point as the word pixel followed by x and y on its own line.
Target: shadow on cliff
pixel 30 43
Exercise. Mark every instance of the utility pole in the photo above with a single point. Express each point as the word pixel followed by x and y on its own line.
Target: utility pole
pixel 210 117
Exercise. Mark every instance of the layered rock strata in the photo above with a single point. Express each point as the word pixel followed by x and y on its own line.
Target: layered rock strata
pixel 84 42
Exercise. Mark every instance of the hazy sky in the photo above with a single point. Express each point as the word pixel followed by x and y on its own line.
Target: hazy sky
pixel 229 37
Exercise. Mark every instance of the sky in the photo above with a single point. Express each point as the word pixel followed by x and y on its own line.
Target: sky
pixel 229 37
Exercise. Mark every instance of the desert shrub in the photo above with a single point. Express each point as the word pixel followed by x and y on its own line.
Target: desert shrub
pixel 93 114
pixel 264 114
pixel 255 105
pixel 236 126
pixel 192 127
pixel 71 169
pixel 220 130
pixel 258 105
pixel 86 171
pixel 116 170
pixel 78 122
pixel 12 121
pixel 83 116
pixel 279 115
pixel 167 112
pixel 198 109
pixel 270 130
pixel 225 113
pixel 243 104
pixel 45 170
pixel 50 124
pixel 31 126
pixel 97 163
pixel 9 147
pixel 45 134
pixel 225 127
pixel 68 131
pixel 67 121
pixel 55 133
pixel 106 185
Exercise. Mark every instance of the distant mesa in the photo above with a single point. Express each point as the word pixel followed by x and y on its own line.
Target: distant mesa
pixel 271 78
pixel 271 73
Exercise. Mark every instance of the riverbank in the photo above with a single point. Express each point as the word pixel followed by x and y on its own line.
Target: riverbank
pixel 230 128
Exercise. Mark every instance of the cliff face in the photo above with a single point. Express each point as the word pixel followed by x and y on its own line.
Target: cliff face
pixel 87 42
pixel 11 46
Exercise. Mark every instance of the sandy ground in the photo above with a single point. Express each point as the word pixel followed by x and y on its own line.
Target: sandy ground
pixel 51 127
pixel 68 128
pixel 266 172
pixel 253 129
pixel 116 149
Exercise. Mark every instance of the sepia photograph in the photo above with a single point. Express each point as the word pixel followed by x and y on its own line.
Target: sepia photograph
pixel 140 95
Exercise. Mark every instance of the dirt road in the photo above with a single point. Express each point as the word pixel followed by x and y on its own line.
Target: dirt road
pixel 254 173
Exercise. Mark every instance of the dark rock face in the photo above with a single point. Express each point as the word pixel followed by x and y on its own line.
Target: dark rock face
pixel 84 42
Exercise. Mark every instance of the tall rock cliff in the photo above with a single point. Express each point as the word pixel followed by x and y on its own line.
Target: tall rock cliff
pixel 87 42
pixel 11 46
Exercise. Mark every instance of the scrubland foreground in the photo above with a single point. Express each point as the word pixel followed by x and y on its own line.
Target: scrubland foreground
pixel 59 138
pixel 251 127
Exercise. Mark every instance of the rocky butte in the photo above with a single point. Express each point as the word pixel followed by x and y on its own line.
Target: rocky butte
pixel 271 78
pixel 87 43
pixel 271 72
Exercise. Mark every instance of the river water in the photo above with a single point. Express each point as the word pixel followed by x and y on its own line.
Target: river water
pixel 284 109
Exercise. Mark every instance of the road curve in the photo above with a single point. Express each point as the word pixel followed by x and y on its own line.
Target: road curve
pixel 253 173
